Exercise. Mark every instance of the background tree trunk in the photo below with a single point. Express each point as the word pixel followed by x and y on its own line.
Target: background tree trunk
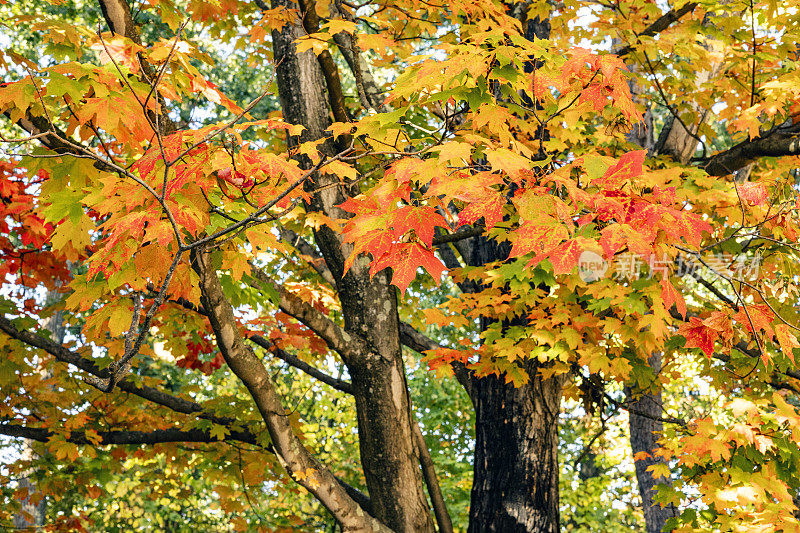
pixel 645 430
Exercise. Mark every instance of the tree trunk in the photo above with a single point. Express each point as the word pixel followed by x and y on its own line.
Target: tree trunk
pixel 369 307
pixel 515 484
pixel 515 488
pixel 645 431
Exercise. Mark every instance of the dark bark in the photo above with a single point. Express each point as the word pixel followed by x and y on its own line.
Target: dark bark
pixel 784 141
pixel 659 25
pixel 515 488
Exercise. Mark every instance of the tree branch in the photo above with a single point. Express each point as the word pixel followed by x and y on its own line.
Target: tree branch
pixel 151 394
pixel 432 482
pixel 299 364
pixel 660 24
pixel 317 262
pixel 345 344
pixel 128 437
pixel 329 70
pixel 243 362
pixel 459 235
pixel 174 403
pixel 781 142
pixel 411 338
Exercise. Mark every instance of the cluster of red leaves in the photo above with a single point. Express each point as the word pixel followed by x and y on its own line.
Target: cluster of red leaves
pixel 717 327
pixel 24 234
pixel 599 78
pixel 397 236
pixel 192 359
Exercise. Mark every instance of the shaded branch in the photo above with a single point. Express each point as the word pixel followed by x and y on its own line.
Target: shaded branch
pixel 781 142
pixel 316 261
pixel 158 436
pixel 151 394
pixel 459 235
pixel 299 364
pixel 659 25
pixel 345 344
pixel 431 481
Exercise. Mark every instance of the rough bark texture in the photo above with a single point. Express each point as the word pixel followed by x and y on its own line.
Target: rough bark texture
pixel 515 483
pixel 644 434
pixel 680 136
pixel 516 457
pixel 369 307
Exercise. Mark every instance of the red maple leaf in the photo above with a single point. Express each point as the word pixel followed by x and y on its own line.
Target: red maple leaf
pixel 489 206
pixel 699 335
pixel 759 317
pixel 405 259
pixel 565 257
pixel 672 296
pixel 423 220
pixel 753 193
pixel 630 165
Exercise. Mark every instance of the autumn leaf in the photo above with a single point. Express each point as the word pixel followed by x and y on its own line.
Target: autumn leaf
pixel 671 297
pixel 753 193
pixel 756 318
pixel 405 259
pixel 787 340
pixel 699 335
pixel 628 166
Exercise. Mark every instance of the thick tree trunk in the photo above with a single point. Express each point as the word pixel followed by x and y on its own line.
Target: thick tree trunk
pixel 515 488
pixel 515 484
pixel 369 307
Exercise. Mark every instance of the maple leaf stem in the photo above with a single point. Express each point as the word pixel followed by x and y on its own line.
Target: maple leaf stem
pixel 154 126
pixel 163 69
pixel 39 95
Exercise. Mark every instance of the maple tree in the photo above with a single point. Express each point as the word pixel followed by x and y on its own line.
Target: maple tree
pixel 477 186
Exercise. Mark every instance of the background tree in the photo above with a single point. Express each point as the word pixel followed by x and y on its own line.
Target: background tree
pixel 203 243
